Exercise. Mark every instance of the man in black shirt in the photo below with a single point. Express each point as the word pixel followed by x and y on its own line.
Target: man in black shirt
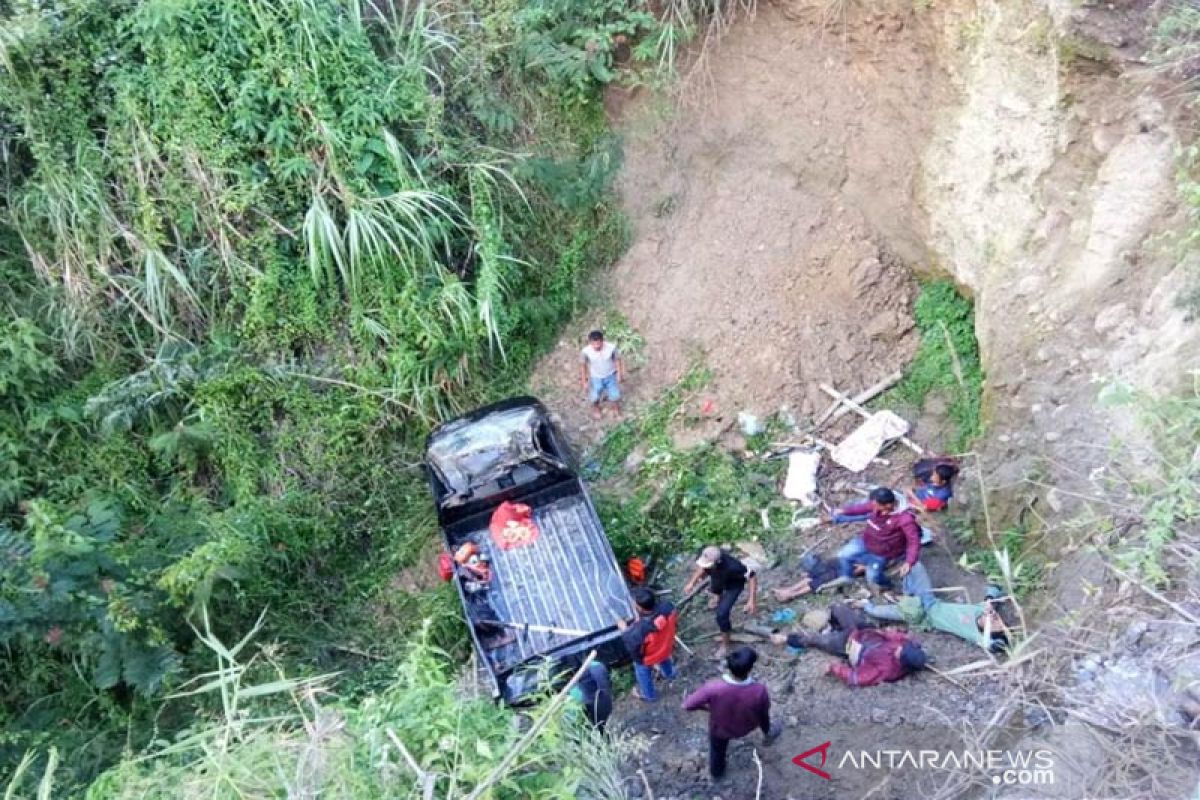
pixel 727 577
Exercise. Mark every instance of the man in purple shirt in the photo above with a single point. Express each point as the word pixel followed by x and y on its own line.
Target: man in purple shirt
pixel 736 705
pixel 890 535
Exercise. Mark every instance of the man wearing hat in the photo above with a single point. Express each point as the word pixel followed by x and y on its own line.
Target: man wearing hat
pixel 727 577
pixel 874 655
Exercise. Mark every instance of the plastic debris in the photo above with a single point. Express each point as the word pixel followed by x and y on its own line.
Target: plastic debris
pixel 801 481
pixel 750 424
pixel 856 451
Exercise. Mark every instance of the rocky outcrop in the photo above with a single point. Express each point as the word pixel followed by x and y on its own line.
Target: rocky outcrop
pixel 1050 191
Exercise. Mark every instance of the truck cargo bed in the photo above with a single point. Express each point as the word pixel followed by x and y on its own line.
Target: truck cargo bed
pixel 566 578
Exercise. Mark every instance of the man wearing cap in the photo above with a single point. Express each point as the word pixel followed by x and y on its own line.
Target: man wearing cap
pixel 875 656
pixel 727 577
pixel 891 535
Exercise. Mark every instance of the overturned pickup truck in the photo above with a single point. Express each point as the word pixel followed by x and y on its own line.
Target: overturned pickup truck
pixel 537 577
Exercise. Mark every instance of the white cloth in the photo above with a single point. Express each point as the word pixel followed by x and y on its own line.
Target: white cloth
pixel 864 443
pixel 801 481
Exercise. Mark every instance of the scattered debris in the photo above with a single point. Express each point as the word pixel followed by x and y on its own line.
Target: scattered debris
pixel 856 451
pixel 750 424
pixel 865 414
pixel 801 482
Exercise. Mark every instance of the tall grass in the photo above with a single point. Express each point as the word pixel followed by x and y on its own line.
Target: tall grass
pixel 421 738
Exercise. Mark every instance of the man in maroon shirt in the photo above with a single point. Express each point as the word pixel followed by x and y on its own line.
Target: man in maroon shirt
pixel 875 656
pixel 736 705
pixel 890 535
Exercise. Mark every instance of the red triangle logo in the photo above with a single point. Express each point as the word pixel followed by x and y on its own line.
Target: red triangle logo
pixel 823 749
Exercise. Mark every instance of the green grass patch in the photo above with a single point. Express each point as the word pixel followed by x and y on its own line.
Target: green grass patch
pixel 678 500
pixel 1008 562
pixel 947 361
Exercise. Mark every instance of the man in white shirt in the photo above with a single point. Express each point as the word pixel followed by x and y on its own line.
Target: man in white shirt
pixel 603 372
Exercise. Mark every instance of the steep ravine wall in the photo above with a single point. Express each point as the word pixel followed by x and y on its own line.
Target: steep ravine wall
pixel 1050 194
pixel 1051 197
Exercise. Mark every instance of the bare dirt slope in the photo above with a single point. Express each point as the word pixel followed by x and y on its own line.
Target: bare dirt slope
pixel 773 214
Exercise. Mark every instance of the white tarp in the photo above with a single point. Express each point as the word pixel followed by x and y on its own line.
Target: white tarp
pixel 864 443
pixel 801 482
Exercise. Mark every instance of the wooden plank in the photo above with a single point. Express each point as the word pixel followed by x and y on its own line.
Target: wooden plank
pixel 834 393
pixel 866 395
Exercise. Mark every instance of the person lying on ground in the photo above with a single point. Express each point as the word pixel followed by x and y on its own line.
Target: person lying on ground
pixel 736 705
pixel 650 641
pixel 891 537
pixel 977 623
pixel 934 489
pixel 874 655
pixel 593 692
pixel 818 572
pixel 727 578
pixel 603 372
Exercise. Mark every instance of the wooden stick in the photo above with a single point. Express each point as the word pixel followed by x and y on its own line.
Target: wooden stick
pixel 946 677
pixel 427 780
pixel 758 763
pixel 829 390
pixel 503 767
pixel 646 783
pixel 868 394
pixel 1178 609
pixel 686 649
pixel 824 445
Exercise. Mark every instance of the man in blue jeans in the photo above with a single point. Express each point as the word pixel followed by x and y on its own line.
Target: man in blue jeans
pixel 862 511
pixel 890 536
pixel 650 641
pixel 603 373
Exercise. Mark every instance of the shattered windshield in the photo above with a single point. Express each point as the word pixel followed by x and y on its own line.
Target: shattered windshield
pixel 468 454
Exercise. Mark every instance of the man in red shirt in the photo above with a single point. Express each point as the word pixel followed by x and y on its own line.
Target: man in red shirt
pixel 874 656
pixel 736 705
pixel 891 535
pixel 650 641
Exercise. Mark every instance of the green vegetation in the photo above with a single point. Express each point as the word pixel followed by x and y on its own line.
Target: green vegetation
pixel 947 361
pixel 680 498
pixel 1007 561
pixel 249 252
pixel 313 745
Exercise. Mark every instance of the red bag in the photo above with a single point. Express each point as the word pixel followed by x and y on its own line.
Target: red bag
pixel 512 525
pixel 445 566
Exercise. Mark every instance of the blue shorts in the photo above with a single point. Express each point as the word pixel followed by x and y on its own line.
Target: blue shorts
pixel 603 387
